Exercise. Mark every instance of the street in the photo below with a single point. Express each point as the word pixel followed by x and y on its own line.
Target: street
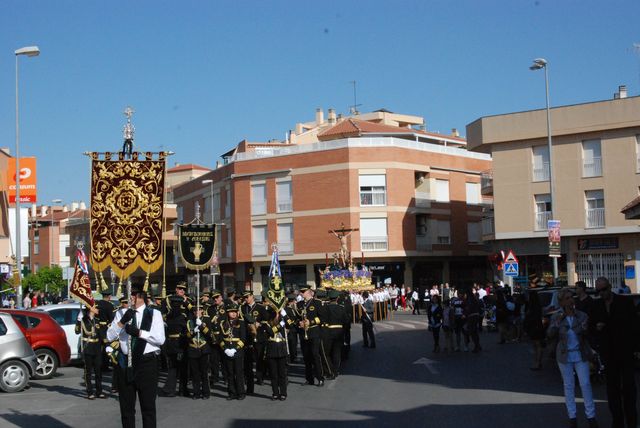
pixel 400 383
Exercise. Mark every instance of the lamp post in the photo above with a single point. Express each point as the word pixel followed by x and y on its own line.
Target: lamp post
pixel 52 258
pixel 28 51
pixel 541 63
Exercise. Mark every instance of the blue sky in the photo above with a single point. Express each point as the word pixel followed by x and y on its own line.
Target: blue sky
pixel 203 75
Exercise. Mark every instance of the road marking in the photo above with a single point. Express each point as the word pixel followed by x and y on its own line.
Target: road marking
pixel 383 325
pixel 418 323
pixel 429 364
pixel 401 324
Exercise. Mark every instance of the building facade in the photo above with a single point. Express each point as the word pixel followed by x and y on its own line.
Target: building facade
pixel 595 163
pixel 411 199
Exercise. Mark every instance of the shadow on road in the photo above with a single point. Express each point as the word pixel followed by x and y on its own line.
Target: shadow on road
pixel 31 421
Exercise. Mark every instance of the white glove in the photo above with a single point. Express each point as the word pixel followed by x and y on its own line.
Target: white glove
pixel 109 349
pixel 233 352
pixel 196 330
pixel 80 316
pixel 283 312
pixel 281 323
pixel 229 352
pixel 198 322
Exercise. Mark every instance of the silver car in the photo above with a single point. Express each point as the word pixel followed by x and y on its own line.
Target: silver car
pixel 17 360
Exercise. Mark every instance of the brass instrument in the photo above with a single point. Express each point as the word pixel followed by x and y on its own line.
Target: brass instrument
pixel 305 321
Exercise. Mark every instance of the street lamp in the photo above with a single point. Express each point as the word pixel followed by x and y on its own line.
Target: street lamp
pixel 28 51
pixel 212 213
pixel 51 247
pixel 540 63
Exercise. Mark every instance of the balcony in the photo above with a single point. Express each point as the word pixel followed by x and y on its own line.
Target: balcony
pixel 373 199
pixel 373 243
pixel 259 249
pixel 542 219
pixel 541 172
pixel 285 247
pixel 284 206
pixel 488 226
pixel 592 168
pixel 486 183
pixel 423 243
pixel 595 218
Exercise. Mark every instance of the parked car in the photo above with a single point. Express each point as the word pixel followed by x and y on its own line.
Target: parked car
pixel 47 339
pixel 18 362
pixel 66 314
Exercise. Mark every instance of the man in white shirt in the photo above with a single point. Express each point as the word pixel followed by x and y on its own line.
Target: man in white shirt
pixel 143 329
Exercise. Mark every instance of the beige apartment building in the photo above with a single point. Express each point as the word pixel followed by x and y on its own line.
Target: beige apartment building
pixel 595 163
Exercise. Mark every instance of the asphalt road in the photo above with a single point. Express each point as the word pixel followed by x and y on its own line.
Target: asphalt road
pixel 400 383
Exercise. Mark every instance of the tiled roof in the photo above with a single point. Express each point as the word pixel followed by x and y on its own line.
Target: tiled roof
pixel 356 128
pixel 186 167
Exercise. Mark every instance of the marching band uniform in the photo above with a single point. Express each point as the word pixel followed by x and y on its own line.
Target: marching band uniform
pixel 217 313
pixel 292 319
pixel 254 315
pixel 276 353
pixel 105 317
pixel 311 342
pixel 175 346
pixel 198 333
pixel 336 317
pixel 345 301
pixel 87 326
pixel 233 336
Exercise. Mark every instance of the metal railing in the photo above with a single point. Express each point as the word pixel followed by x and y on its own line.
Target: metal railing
pixel 259 249
pixel 542 219
pixel 541 172
pixel 486 180
pixel 373 243
pixel 373 198
pixel 595 217
pixel 592 168
pixel 284 206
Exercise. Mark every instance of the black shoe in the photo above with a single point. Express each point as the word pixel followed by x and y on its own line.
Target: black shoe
pixel 274 397
pixel 206 397
pixel 321 383
pixel 102 395
pixel 167 394
pixel 309 383
pixel 242 397
pixel 573 423
pixel 91 396
pixel 231 397
pixel 282 397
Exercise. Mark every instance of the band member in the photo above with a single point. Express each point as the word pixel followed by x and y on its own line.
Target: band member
pixel 276 354
pixel 87 326
pixel 292 319
pixel 233 336
pixel 175 347
pixel 216 314
pixel 141 334
pixel 198 333
pixel 345 301
pixel 336 318
pixel 310 324
pixel 254 316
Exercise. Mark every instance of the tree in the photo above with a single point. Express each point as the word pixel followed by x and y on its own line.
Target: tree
pixel 48 278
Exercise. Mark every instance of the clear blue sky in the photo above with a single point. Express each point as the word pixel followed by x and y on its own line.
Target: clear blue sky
pixel 203 75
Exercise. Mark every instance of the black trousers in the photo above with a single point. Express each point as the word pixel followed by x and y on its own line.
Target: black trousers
pixel 367 333
pixel 200 375
pixel 144 385
pixel 93 364
pixel 216 359
pixel 249 358
pixel 312 360
pixel 235 375
pixel 261 363
pixel 176 367
pixel 335 354
pixel 278 371
pixel 472 332
pixel 436 336
pixel 292 339
pixel 621 392
pixel 346 346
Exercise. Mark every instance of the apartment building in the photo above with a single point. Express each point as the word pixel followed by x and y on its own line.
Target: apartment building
pixel 411 197
pixel 595 161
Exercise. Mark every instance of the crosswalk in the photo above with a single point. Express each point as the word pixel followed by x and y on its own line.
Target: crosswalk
pixel 402 325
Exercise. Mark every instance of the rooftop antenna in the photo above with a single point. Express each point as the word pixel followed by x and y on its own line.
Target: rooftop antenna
pixel 354 108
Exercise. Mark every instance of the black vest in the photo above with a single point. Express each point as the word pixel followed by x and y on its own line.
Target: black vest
pixel 141 344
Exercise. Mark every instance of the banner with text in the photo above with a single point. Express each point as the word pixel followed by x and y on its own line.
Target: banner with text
pixel 554 238
pixel 197 245
pixel 27 180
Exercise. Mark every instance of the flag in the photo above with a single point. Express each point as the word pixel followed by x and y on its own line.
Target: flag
pixel 276 295
pixel 80 288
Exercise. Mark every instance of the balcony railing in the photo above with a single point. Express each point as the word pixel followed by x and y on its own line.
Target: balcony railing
pixel 488 226
pixel 373 198
pixel 259 249
pixel 486 181
pixel 285 247
pixel 542 219
pixel 373 243
pixel 595 217
pixel 541 172
pixel 258 208
pixel 423 200
pixel 592 168
pixel 284 206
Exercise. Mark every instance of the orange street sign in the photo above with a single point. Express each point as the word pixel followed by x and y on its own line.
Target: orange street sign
pixel 27 180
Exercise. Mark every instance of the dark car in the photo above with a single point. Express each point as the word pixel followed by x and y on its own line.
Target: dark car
pixel 47 339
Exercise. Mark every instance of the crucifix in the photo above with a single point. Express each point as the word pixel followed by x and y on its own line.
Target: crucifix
pixel 342 235
pixel 129 129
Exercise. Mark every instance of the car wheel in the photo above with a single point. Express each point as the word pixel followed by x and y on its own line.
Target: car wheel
pixel 47 364
pixel 14 376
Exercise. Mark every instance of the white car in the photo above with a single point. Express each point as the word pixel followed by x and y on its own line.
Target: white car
pixel 66 315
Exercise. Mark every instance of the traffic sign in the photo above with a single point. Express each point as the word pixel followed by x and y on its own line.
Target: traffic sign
pixel 511 257
pixel 511 268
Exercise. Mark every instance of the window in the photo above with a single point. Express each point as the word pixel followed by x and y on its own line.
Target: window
pixel 285 238
pixel 58 315
pixel 595 208
pixel 474 233
pixel 442 190
pixel 216 206
pixel 228 246
pixel 258 199
pixel 33 322
pixel 421 225
pixel 591 158
pixel 3 328
pixel 541 163
pixel 543 211
pixel 36 246
pixel 227 206
pixel 373 234
pixel 283 197
pixel 208 209
pixel 373 190
pixel 22 319
pixel 473 193
pixel 444 232
pixel 259 240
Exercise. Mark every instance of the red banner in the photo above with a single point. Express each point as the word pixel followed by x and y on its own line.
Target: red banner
pixel 81 287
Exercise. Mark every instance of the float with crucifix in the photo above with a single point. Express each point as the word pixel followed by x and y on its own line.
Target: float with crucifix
pixel 342 273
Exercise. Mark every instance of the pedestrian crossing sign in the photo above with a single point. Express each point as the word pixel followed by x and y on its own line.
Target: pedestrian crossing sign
pixel 511 269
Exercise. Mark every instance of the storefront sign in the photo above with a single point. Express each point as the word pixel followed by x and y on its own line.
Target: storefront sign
pixel 27 180
pixel 554 237
pixel 598 243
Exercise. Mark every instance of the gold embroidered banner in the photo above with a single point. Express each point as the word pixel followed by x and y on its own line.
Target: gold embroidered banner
pixel 80 287
pixel 127 199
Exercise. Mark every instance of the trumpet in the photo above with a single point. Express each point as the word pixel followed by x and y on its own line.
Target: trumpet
pixel 305 323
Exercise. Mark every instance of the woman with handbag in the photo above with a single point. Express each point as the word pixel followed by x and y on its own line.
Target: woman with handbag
pixel 569 327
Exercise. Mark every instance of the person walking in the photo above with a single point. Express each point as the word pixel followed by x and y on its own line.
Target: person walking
pixel 569 327
pixel 415 302
pixel 534 329
pixel 472 320
pixel 403 297
pixel 87 328
pixel 448 321
pixel 368 339
pixel 434 315
pixel 615 327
